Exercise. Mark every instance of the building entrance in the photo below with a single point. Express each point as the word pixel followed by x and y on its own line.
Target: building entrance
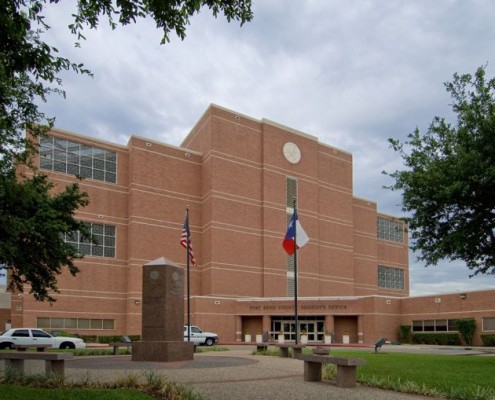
pixel 314 326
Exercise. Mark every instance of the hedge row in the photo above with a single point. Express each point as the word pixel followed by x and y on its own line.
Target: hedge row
pixel 451 339
pixel 488 340
pixel 107 339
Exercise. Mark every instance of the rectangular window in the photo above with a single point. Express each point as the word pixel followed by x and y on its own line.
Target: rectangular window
pixel 21 333
pixel 96 324
pixel 417 326
pixel 291 195
pixel 71 323
pixel 434 325
pixel 104 236
pixel 390 229
pixel 390 278
pixel 429 325
pixel 451 323
pixel 69 157
pixel 441 325
pixel 108 324
pixel 43 323
pixel 83 323
pixel 488 324
pixel 57 323
pixel 75 323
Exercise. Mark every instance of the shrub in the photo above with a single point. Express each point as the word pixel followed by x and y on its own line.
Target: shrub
pixel 488 340
pixel 450 339
pixel 405 333
pixel 89 338
pixel 466 328
pixel 108 339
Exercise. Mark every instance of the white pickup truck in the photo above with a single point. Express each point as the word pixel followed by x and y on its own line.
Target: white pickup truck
pixel 198 337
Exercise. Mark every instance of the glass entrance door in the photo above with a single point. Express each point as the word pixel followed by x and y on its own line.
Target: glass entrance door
pixel 312 326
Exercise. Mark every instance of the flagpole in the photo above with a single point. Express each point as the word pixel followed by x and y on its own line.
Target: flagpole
pixel 187 269
pixel 295 275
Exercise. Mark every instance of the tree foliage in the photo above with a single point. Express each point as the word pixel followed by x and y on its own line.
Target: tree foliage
pixel 466 328
pixel 448 185
pixel 30 68
pixel 34 219
pixel 33 222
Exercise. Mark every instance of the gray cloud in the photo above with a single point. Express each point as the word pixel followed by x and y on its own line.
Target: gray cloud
pixel 351 73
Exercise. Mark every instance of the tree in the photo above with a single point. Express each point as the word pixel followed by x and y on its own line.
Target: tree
pixel 466 328
pixel 33 219
pixel 33 222
pixel 30 68
pixel 448 185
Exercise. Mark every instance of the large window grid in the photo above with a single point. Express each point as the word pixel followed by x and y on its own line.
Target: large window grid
pixel 104 236
pixel 389 229
pixel 434 325
pixel 75 323
pixel 69 157
pixel 390 278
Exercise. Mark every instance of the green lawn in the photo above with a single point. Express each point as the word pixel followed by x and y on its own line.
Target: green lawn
pixel 454 375
pixel 16 392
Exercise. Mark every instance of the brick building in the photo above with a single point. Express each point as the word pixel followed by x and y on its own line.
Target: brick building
pixel 238 176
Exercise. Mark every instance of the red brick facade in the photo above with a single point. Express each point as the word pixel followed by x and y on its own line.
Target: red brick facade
pixel 232 174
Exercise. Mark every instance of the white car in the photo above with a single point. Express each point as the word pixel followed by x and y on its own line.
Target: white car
pixel 200 337
pixel 33 337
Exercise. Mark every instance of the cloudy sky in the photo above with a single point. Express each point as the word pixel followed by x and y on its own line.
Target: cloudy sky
pixel 352 73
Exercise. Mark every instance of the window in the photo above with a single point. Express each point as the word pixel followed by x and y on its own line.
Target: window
pixel 69 157
pixel 434 325
pixel 57 323
pixel 441 325
pixel 43 323
pixel 291 195
pixel 390 229
pixel 21 333
pixel 104 236
pixel 291 192
pixel 488 324
pixel 36 333
pixel 429 326
pixel 83 323
pixel 96 324
pixel 75 323
pixel 417 326
pixel 390 278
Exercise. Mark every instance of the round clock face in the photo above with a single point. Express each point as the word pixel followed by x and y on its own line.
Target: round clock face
pixel 292 153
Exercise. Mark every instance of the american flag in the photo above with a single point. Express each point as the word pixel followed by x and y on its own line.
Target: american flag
pixel 185 239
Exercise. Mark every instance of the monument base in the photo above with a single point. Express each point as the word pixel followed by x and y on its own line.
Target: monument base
pixel 162 351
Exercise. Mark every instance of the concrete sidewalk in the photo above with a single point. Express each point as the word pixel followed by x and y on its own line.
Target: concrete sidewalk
pixel 235 374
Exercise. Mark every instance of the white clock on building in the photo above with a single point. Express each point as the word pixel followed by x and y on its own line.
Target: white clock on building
pixel 292 152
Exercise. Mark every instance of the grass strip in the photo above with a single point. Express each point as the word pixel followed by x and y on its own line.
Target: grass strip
pixel 16 392
pixel 452 376
pixel 146 385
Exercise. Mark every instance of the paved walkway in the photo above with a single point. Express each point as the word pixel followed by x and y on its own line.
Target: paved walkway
pixel 233 375
pixel 238 375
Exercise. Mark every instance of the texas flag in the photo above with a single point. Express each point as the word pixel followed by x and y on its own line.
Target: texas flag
pixel 295 230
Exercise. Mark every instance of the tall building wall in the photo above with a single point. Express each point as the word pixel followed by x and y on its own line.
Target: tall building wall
pixel 365 247
pixel 248 171
pixel 232 173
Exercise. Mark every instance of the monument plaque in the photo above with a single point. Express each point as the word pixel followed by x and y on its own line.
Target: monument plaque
pixel 162 337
